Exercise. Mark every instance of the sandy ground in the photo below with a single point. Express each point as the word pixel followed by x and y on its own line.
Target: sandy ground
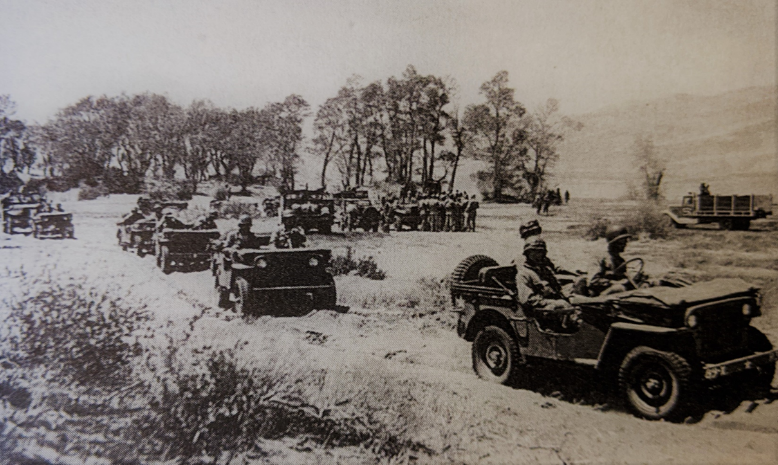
pixel 485 423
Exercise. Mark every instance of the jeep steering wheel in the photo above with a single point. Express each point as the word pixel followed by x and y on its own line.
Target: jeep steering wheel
pixel 635 273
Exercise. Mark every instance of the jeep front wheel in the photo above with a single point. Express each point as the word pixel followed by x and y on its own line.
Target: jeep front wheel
pixel 495 355
pixel 656 385
pixel 243 300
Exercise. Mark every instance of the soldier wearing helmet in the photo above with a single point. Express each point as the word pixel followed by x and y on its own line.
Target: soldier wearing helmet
pixel 532 229
pixel 536 285
pixel 611 276
pixel 242 238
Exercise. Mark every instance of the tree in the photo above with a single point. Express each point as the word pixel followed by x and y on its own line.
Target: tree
pixel 285 135
pixel 463 142
pixel 15 147
pixel 650 166
pixel 544 130
pixel 496 126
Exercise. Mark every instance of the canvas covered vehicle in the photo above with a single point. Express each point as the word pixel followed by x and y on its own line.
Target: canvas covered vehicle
pixel 183 248
pixel 274 281
pixel 407 215
pixel 313 210
pixel 731 212
pixel 663 347
pixel 53 224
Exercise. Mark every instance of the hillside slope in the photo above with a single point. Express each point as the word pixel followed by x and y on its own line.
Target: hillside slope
pixel 727 140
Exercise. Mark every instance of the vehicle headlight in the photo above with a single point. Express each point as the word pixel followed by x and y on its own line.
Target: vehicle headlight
pixel 260 262
pixel 691 321
pixel 313 262
pixel 748 309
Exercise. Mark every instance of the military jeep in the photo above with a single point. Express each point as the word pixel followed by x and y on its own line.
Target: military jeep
pixel 183 248
pixel 274 281
pixel 53 224
pixel 661 347
pixel 18 212
pixel 309 209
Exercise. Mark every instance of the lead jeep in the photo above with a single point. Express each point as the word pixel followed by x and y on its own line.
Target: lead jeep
pixel 274 281
pixel 662 346
pixel 53 224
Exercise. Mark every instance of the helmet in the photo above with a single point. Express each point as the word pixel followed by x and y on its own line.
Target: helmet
pixel 616 233
pixel 244 220
pixel 535 243
pixel 531 228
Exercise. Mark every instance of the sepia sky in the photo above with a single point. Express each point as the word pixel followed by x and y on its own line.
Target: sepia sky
pixel 240 53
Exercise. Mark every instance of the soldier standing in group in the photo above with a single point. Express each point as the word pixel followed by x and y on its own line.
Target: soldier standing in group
pixel 471 209
pixel 546 202
pixel 567 196
pixel 538 203
pixel 424 210
pixel 386 215
pixel 448 211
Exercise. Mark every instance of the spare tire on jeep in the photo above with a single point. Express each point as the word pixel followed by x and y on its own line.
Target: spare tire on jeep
pixel 468 269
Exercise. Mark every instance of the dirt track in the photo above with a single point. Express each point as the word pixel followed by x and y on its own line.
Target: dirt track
pixel 553 423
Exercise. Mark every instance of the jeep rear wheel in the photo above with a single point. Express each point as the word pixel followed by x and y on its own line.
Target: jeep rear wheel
pixel 468 269
pixel 656 385
pixel 243 302
pixel 495 355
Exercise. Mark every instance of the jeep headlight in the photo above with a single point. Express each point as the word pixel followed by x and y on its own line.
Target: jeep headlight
pixel 747 309
pixel 313 262
pixel 260 262
pixel 692 321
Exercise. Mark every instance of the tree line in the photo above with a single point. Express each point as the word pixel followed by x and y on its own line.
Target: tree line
pixel 406 130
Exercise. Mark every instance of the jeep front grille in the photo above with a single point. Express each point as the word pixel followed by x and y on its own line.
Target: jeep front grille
pixel 722 331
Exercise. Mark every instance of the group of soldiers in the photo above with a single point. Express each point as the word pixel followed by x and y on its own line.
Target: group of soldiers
pixel 455 212
pixel 543 200
pixel 243 238
pixel 539 288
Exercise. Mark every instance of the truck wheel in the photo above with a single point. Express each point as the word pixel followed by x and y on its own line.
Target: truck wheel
pixel 495 355
pixel 758 342
pixel 325 229
pixel 468 269
pixel 35 231
pixel 223 296
pixel 655 385
pixel 742 225
pixel 164 260
pixel 727 224
pixel 243 303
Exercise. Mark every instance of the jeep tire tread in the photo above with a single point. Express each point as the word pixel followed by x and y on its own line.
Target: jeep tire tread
pixel 496 356
pixel 468 269
pixel 758 342
pixel 164 260
pixel 656 385
pixel 243 299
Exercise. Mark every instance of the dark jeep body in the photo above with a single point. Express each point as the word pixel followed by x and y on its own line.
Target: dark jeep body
pixel 274 281
pixel 310 209
pixel 663 344
pixel 356 210
pixel 138 235
pixel 184 248
pixel 408 215
pixel 53 224
pixel 18 211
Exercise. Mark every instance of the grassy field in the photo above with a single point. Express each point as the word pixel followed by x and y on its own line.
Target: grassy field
pixel 386 382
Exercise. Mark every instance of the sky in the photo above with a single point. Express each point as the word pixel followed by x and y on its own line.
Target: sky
pixel 239 53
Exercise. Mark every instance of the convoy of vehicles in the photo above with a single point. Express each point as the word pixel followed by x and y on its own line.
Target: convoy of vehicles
pixel 313 210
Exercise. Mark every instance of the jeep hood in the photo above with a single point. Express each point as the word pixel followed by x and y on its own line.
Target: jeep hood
pixel 695 294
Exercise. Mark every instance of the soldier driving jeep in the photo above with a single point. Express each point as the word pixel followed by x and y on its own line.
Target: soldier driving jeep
pixel 242 238
pixel 612 274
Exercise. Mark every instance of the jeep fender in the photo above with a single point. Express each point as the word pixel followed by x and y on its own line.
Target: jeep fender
pixel 623 337
pixel 514 323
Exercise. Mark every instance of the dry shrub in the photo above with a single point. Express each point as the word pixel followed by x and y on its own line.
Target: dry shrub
pixel 597 228
pixel 82 333
pixel 648 218
pixel 166 191
pixel 365 267
pixel 221 194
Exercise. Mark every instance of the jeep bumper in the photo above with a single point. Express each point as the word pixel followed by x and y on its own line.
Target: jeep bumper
pixel 714 371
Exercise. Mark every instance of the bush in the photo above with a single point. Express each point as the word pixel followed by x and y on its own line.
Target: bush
pixel 82 334
pixel 87 192
pixel 364 266
pixel 221 194
pixel 648 219
pixel 168 190
pixel 597 228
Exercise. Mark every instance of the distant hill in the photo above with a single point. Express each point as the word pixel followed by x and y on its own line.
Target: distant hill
pixel 727 140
